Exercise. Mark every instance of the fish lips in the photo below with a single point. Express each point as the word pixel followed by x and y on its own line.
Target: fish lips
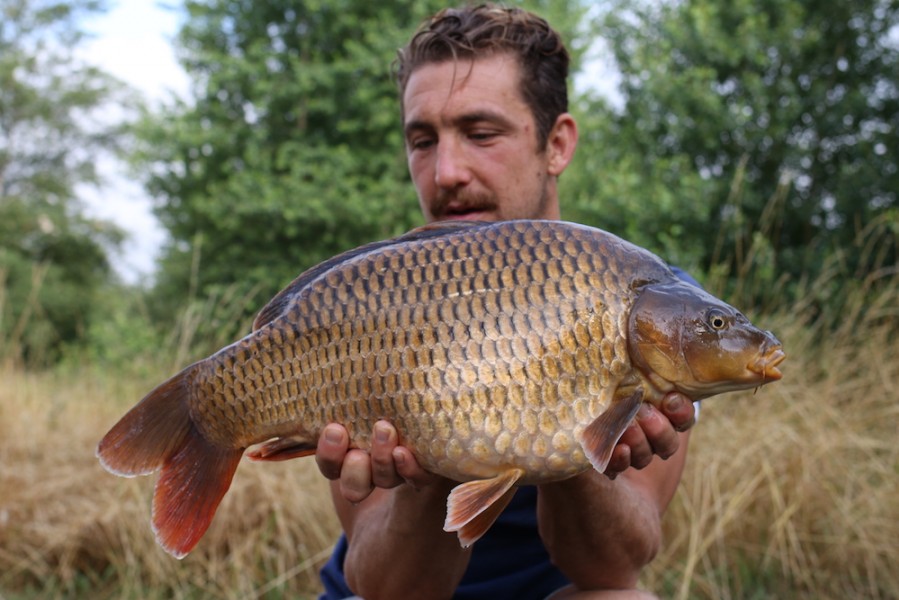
pixel 767 362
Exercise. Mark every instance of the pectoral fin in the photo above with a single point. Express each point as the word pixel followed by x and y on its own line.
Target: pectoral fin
pixel 599 438
pixel 472 507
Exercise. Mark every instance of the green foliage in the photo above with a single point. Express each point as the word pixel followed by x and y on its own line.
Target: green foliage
pixel 51 271
pixel 292 150
pixel 52 258
pixel 751 131
pixel 124 341
pixel 754 141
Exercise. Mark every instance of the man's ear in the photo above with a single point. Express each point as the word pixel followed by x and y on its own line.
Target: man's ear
pixel 561 143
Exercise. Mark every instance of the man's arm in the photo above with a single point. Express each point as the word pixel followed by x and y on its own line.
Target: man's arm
pixel 601 531
pixel 393 513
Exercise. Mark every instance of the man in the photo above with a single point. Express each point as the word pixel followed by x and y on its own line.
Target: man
pixel 484 108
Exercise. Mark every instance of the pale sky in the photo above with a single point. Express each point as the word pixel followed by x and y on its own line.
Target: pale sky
pixel 133 42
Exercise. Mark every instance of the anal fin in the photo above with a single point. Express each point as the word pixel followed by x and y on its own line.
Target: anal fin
pixel 472 507
pixel 599 438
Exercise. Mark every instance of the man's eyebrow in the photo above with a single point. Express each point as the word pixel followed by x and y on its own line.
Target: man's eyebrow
pixel 483 116
pixel 464 120
pixel 414 126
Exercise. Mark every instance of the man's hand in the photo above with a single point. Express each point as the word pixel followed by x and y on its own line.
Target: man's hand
pixel 359 472
pixel 655 431
pixel 374 508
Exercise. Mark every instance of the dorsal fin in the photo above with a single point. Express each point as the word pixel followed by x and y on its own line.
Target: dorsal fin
pixel 276 306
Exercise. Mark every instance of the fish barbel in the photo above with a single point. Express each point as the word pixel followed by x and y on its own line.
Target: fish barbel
pixel 504 354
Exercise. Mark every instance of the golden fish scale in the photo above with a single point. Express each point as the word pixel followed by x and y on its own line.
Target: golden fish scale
pixel 487 349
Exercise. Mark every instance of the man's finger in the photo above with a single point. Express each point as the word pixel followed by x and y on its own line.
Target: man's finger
pixel 679 410
pixel 620 461
pixel 408 468
pixel 383 470
pixel 331 450
pixel 355 477
pixel 641 448
pixel 661 437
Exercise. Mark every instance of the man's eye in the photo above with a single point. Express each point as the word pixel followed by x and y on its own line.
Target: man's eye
pixel 421 143
pixel 482 136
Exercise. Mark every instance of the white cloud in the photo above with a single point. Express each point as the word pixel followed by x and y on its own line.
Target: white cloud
pixel 133 41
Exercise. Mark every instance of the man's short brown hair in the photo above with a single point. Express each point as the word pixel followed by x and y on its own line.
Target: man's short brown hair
pixel 477 31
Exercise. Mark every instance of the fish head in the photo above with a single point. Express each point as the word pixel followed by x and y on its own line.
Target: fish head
pixel 684 339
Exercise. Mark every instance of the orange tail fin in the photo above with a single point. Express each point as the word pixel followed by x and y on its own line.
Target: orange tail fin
pixel 158 434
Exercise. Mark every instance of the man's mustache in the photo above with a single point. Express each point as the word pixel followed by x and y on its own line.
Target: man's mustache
pixel 455 203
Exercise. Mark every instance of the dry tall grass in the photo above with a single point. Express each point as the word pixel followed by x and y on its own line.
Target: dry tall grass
pixel 789 492
pixel 70 529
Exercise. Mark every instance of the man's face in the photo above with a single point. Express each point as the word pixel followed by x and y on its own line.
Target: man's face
pixel 471 142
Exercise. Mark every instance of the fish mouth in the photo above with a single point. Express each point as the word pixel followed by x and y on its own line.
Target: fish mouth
pixel 766 364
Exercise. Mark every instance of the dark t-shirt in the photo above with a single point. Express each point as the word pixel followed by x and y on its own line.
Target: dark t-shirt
pixel 508 562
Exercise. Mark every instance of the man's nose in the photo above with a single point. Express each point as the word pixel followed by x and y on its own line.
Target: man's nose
pixel 452 168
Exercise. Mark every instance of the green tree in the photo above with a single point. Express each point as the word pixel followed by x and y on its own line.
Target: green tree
pixel 291 150
pixel 753 134
pixel 52 258
pixel 288 152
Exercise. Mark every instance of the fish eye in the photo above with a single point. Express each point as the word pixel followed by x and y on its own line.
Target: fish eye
pixel 717 320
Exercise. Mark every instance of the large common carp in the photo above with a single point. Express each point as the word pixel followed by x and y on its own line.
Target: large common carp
pixel 504 353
